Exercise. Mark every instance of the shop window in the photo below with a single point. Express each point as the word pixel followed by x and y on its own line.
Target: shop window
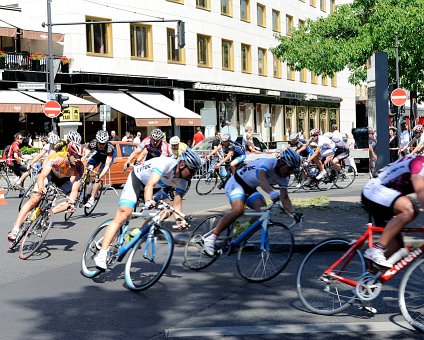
pixel 289 25
pixel 175 55
pixel 227 55
pixel 99 37
pixel 276 27
pixel 246 63
pixel 204 51
pixel 323 121
pixel 203 4
pixel 261 18
pixel 332 116
pixel 313 119
pixel 262 62
pixel 226 7
pixel 276 65
pixel 245 10
pixel 301 120
pixel 288 120
pixel 141 41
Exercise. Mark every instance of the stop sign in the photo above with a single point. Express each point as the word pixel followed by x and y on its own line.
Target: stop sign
pixel 52 109
pixel 398 97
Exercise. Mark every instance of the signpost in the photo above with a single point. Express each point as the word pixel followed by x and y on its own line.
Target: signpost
pixel 52 109
pixel 398 97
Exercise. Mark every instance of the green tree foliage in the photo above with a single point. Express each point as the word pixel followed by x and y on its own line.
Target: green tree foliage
pixel 350 35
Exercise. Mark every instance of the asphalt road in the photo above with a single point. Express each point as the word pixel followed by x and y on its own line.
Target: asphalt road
pixel 46 297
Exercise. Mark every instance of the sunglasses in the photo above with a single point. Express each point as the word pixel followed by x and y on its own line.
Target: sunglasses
pixel 417 132
pixel 76 156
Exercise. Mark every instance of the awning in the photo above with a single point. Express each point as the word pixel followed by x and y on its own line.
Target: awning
pixel 14 101
pixel 183 116
pixel 84 106
pixel 40 35
pixel 144 115
pixel 8 31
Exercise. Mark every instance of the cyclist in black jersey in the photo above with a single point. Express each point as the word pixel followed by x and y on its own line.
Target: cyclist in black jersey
pixel 233 152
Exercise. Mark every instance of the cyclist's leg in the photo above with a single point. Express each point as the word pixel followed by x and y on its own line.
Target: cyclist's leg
pixel 255 201
pixel 69 187
pixel 23 213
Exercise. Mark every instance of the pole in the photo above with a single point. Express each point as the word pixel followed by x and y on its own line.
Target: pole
pixel 398 118
pixel 50 72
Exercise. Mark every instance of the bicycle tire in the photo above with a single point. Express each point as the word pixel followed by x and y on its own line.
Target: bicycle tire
pixel 206 183
pixel 88 267
pixel 25 197
pixel 194 258
pixel 322 295
pixel 88 211
pixel 257 265
pixel 411 295
pixel 345 178
pixel 145 267
pixel 328 181
pixel 36 234
pixel 4 184
pixel 21 233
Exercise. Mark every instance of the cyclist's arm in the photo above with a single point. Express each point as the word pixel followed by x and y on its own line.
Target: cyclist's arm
pixel 417 149
pixel 142 155
pixel 214 151
pixel 286 201
pixel 134 155
pixel 148 189
pixel 303 147
pixel 315 154
pixel 263 182
pixel 418 185
pixel 37 157
pixel 41 177
pixel 226 158
pixel 106 167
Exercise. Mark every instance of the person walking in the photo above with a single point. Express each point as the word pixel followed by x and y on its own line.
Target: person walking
pixel 198 136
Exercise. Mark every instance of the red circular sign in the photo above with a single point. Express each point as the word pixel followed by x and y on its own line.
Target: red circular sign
pixel 52 109
pixel 399 97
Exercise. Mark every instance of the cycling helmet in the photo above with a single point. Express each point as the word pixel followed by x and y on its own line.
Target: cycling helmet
pixel 53 139
pixel 191 159
pixel 157 134
pixel 174 140
pixel 294 136
pixel 225 137
pixel 44 139
pixel 74 136
pixel 314 132
pixel 75 149
pixel 328 135
pixel 291 158
pixel 102 136
pixel 418 128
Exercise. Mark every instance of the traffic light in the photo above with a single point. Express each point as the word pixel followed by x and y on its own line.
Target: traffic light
pixel 60 98
pixel 181 33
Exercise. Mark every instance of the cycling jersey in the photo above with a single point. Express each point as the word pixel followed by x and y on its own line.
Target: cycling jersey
pixel 301 142
pixel 181 148
pixel 100 155
pixel 236 148
pixel 61 146
pixel 60 168
pixel 163 148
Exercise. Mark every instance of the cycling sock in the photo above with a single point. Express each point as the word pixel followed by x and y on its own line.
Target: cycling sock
pixel 214 236
pixel 379 245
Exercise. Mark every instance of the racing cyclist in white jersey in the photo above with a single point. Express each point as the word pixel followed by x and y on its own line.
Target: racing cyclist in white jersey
pixel 241 189
pixel 148 179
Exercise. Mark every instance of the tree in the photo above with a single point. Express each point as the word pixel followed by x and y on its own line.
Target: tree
pixel 351 34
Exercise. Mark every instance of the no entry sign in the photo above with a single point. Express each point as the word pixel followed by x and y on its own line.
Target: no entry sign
pixel 52 109
pixel 398 97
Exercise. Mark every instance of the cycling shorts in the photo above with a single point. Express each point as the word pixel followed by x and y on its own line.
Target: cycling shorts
pixel 95 161
pixel 18 169
pixel 64 184
pixel 240 158
pixel 235 191
pixel 341 153
pixel 326 152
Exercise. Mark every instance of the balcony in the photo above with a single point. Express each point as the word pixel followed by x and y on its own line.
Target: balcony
pixel 22 62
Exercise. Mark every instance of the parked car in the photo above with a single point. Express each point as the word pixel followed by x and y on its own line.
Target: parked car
pixel 123 151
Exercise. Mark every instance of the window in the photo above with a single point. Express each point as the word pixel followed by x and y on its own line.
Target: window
pixel 276 21
pixel 301 23
pixel 141 41
pixel 245 10
pixel 276 65
pixel 262 61
pixel 324 80
pixel 304 75
pixel 175 55
pixel 177 1
pixel 314 78
pixel 126 150
pixel 332 6
pixel 246 65
pixel 99 37
pixel 290 73
pixel 334 80
pixel 204 51
pixel 313 3
pixel 203 4
pixel 261 20
pixel 226 7
pixel 323 5
pixel 227 55
pixel 289 24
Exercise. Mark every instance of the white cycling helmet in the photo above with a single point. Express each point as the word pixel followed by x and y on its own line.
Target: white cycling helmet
pixel 314 132
pixel 102 136
pixel 53 139
pixel 225 137
pixel 418 128
pixel 191 159
pixel 157 134
pixel 294 136
pixel 291 158
pixel 174 140
pixel 74 136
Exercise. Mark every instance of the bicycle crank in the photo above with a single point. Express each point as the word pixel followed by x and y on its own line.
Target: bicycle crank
pixel 368 288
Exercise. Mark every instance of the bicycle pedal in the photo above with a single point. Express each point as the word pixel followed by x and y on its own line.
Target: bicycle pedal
pixel 368 309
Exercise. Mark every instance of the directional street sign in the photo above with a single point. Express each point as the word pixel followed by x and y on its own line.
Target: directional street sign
pixel 52 109
pixel 398 97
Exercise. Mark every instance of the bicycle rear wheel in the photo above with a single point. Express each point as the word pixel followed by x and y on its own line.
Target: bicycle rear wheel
pixel 194 258
pixel 346 177
pixel 149 259
pixel 206 183
pixel 259 265
pixel 411 297
pixel 88 211
pixel 25 197
pixel 324 294
pixel 328 181
pixel 36 234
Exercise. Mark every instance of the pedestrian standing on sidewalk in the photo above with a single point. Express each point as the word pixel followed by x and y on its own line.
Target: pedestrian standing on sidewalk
pixel 393 144
pixel 198 136
pixel 404 140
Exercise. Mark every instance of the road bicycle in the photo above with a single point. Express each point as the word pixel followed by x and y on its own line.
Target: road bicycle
pixel 214 178
pixel 263 250
pixel 151 249
pixel 34 171
pixel 333 276
pixel 8 181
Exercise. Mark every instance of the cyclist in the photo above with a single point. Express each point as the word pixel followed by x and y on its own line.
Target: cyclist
pixel 417 141
pixel 233 152
pixel 298 143
pixel 177 147
pixel 241 190
pixel 63 169
pixel 150 147
pixel 48 145
pixel 148 179
pixel 104 154
pixel 385 196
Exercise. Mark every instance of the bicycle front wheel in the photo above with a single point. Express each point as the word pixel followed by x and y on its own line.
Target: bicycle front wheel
pixel 194 258
pixel 36 234
pixel 149 259
pixel 265 254
pixel 88 211
pixel 25 197
pixel 324 294
pixel 328 181
pixel 346 177
pixel 206 183
pixel 411 296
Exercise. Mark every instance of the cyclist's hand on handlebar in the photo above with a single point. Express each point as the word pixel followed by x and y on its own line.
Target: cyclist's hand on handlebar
pixel 275 196
pixel 97 179
pixel 149 204
pixel 297 216
pixel 182 224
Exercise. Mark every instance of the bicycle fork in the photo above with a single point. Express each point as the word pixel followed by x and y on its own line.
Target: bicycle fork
pixel 150 244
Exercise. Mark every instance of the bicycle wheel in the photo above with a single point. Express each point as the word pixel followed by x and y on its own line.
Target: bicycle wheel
pixel 328 181
pixel 94 244
pixel 4 184
pixel 36 234
pixel 206 183
pixel 259 265
pixel 346 177
pixel 323 294
pixel 25 197
pixel 149 259
pixel 21 233
pixel 194 258
pixel 411 297
pixel 88 211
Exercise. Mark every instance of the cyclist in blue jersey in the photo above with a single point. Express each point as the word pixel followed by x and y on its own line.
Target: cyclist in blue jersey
pixel 298 143
pixel 233 152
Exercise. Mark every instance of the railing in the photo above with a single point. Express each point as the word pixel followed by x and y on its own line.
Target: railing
pixel 22 61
